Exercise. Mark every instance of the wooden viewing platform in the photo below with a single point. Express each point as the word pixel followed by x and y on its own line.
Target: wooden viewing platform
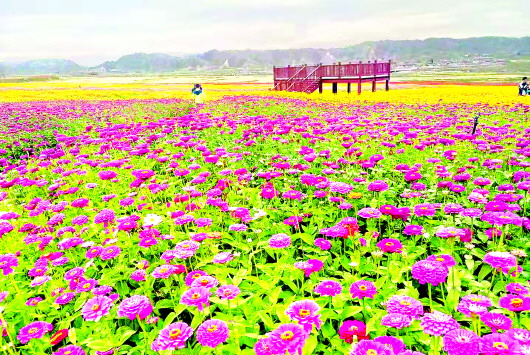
pixel 308 78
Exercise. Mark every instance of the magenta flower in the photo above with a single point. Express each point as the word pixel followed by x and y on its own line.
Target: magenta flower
pixel 369 212
pixel 361 289
pixel 496 321
pixel 205 281
pixel 390 245
pixel 287 337
pixel 212 332
pixel 328 288
pixel 438 323
pixel 135 306
pixel 110 252
pixel 461 342
pixel 310 266
pixel 279 241
pixel 428 271
pixel 322 243
pixel 138 275
pixel 172 337
pixel 396 320
pixel 517 289
pixel 193 275
pixel 65 298
pixel 7 263
pixel 223 257
pixel 306 313
pixel 95 308
pixel 393 343
pixel 413 230
pixel 370 347
pixel 227 292
pixel 35 330
pixel 498 344
pixel 515 303
pixel 196 296
pixel 404 305
pixel 70 350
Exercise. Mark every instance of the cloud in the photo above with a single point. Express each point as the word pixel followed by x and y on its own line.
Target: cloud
pixel 93 31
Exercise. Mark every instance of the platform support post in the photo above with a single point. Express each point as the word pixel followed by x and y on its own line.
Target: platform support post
pixel 320 87
pixel 349 88
pixel 387 87
pixel 334 87
pixel 360 75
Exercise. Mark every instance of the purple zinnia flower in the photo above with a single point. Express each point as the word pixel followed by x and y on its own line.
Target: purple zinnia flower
pixel 361 289
pixel 438 323
pixel 279 241
pixel 196 296
pixel 227 292
pixel 306 313
pixel 428 271
pixel 461 342
pixel 496 321
pixel 70 350
pixel 287 337
pixel 396 320
pixel 212 333
pixel 33 330
pixel 96 307
pixel 370 347
pixel 172 337
pixel 328 288
pixel 137 305
pixel 498 344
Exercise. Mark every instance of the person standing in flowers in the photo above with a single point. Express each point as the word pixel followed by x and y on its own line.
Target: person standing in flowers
pixel 198 94
pixel 523 87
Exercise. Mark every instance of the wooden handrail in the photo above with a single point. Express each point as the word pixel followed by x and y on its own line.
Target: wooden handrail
pixel 294 75
pixel 307 76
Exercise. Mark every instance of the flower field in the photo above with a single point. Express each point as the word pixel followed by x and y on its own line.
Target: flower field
pixel 133 222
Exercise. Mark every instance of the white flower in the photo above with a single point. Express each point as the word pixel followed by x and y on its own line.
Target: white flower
pixel 152 220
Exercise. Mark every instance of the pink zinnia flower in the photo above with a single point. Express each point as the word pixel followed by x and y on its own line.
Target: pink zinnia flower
pixel 287 337
pixel 461 342
pixel 172 337
pixel 361 289
pixel 306 313
pixel 279 241
pixel 370 347
pixel 96 307
pixel 212 333
pixel 227 292
pixel 428 271
pixel 137 305
pixel 390 245
pixel 515 303
pixel 352 328
pixel 438 323
pixel 328 288
pixel 33 330
pixel 196 296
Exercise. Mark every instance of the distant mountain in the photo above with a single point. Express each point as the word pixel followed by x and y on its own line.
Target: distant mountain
pixel 431 50
pixel 44 66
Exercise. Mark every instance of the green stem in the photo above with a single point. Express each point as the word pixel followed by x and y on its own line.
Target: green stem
pixel 430 295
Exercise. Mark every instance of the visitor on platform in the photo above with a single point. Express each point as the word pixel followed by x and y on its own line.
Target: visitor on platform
pixel 198 94
pixel 524 89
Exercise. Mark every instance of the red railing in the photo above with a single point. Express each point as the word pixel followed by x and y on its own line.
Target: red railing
pixel 332 71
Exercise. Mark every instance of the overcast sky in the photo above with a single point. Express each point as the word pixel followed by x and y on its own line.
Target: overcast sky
pixel 90 32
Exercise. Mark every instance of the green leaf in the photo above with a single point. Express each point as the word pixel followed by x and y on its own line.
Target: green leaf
pixel 126 335
pixel 310 345
pixel 100 345
pixel 72 335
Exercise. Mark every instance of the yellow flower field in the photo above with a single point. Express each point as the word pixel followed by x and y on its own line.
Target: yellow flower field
pixel 399 93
